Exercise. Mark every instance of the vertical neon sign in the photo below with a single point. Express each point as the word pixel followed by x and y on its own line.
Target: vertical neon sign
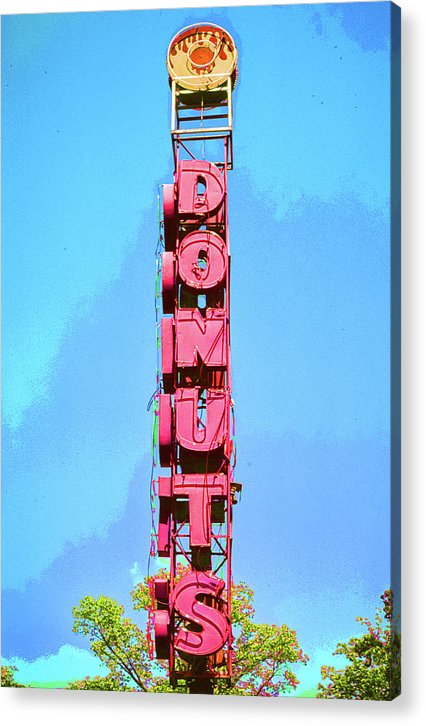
pixel 191 608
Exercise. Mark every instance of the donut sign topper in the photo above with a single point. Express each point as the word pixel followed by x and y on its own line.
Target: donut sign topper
pixel 201 57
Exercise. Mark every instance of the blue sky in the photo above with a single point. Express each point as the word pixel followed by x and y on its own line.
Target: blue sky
pixel 85 145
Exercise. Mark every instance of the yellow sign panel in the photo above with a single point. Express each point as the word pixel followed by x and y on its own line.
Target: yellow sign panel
pixel 201 57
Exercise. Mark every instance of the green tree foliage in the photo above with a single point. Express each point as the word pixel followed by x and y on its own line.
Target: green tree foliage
pixel 111 682
pixel 374 670
pixel 8 677
pixel 263 654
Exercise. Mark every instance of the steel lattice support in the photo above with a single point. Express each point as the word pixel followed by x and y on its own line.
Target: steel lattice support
pixel 192 607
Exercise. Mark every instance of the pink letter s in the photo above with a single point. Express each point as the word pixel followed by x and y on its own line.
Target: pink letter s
pixel 214 623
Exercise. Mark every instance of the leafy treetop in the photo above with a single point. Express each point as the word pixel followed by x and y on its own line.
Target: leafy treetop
pixel 8 677
pixel 263 654
pixel 374 670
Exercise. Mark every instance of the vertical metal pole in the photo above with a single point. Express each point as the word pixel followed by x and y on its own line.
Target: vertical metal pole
pixel 173 121
pixel 229 387
pixel 229 92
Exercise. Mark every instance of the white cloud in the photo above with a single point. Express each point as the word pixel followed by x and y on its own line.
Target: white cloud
pixel 68 664
pixel 136 574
